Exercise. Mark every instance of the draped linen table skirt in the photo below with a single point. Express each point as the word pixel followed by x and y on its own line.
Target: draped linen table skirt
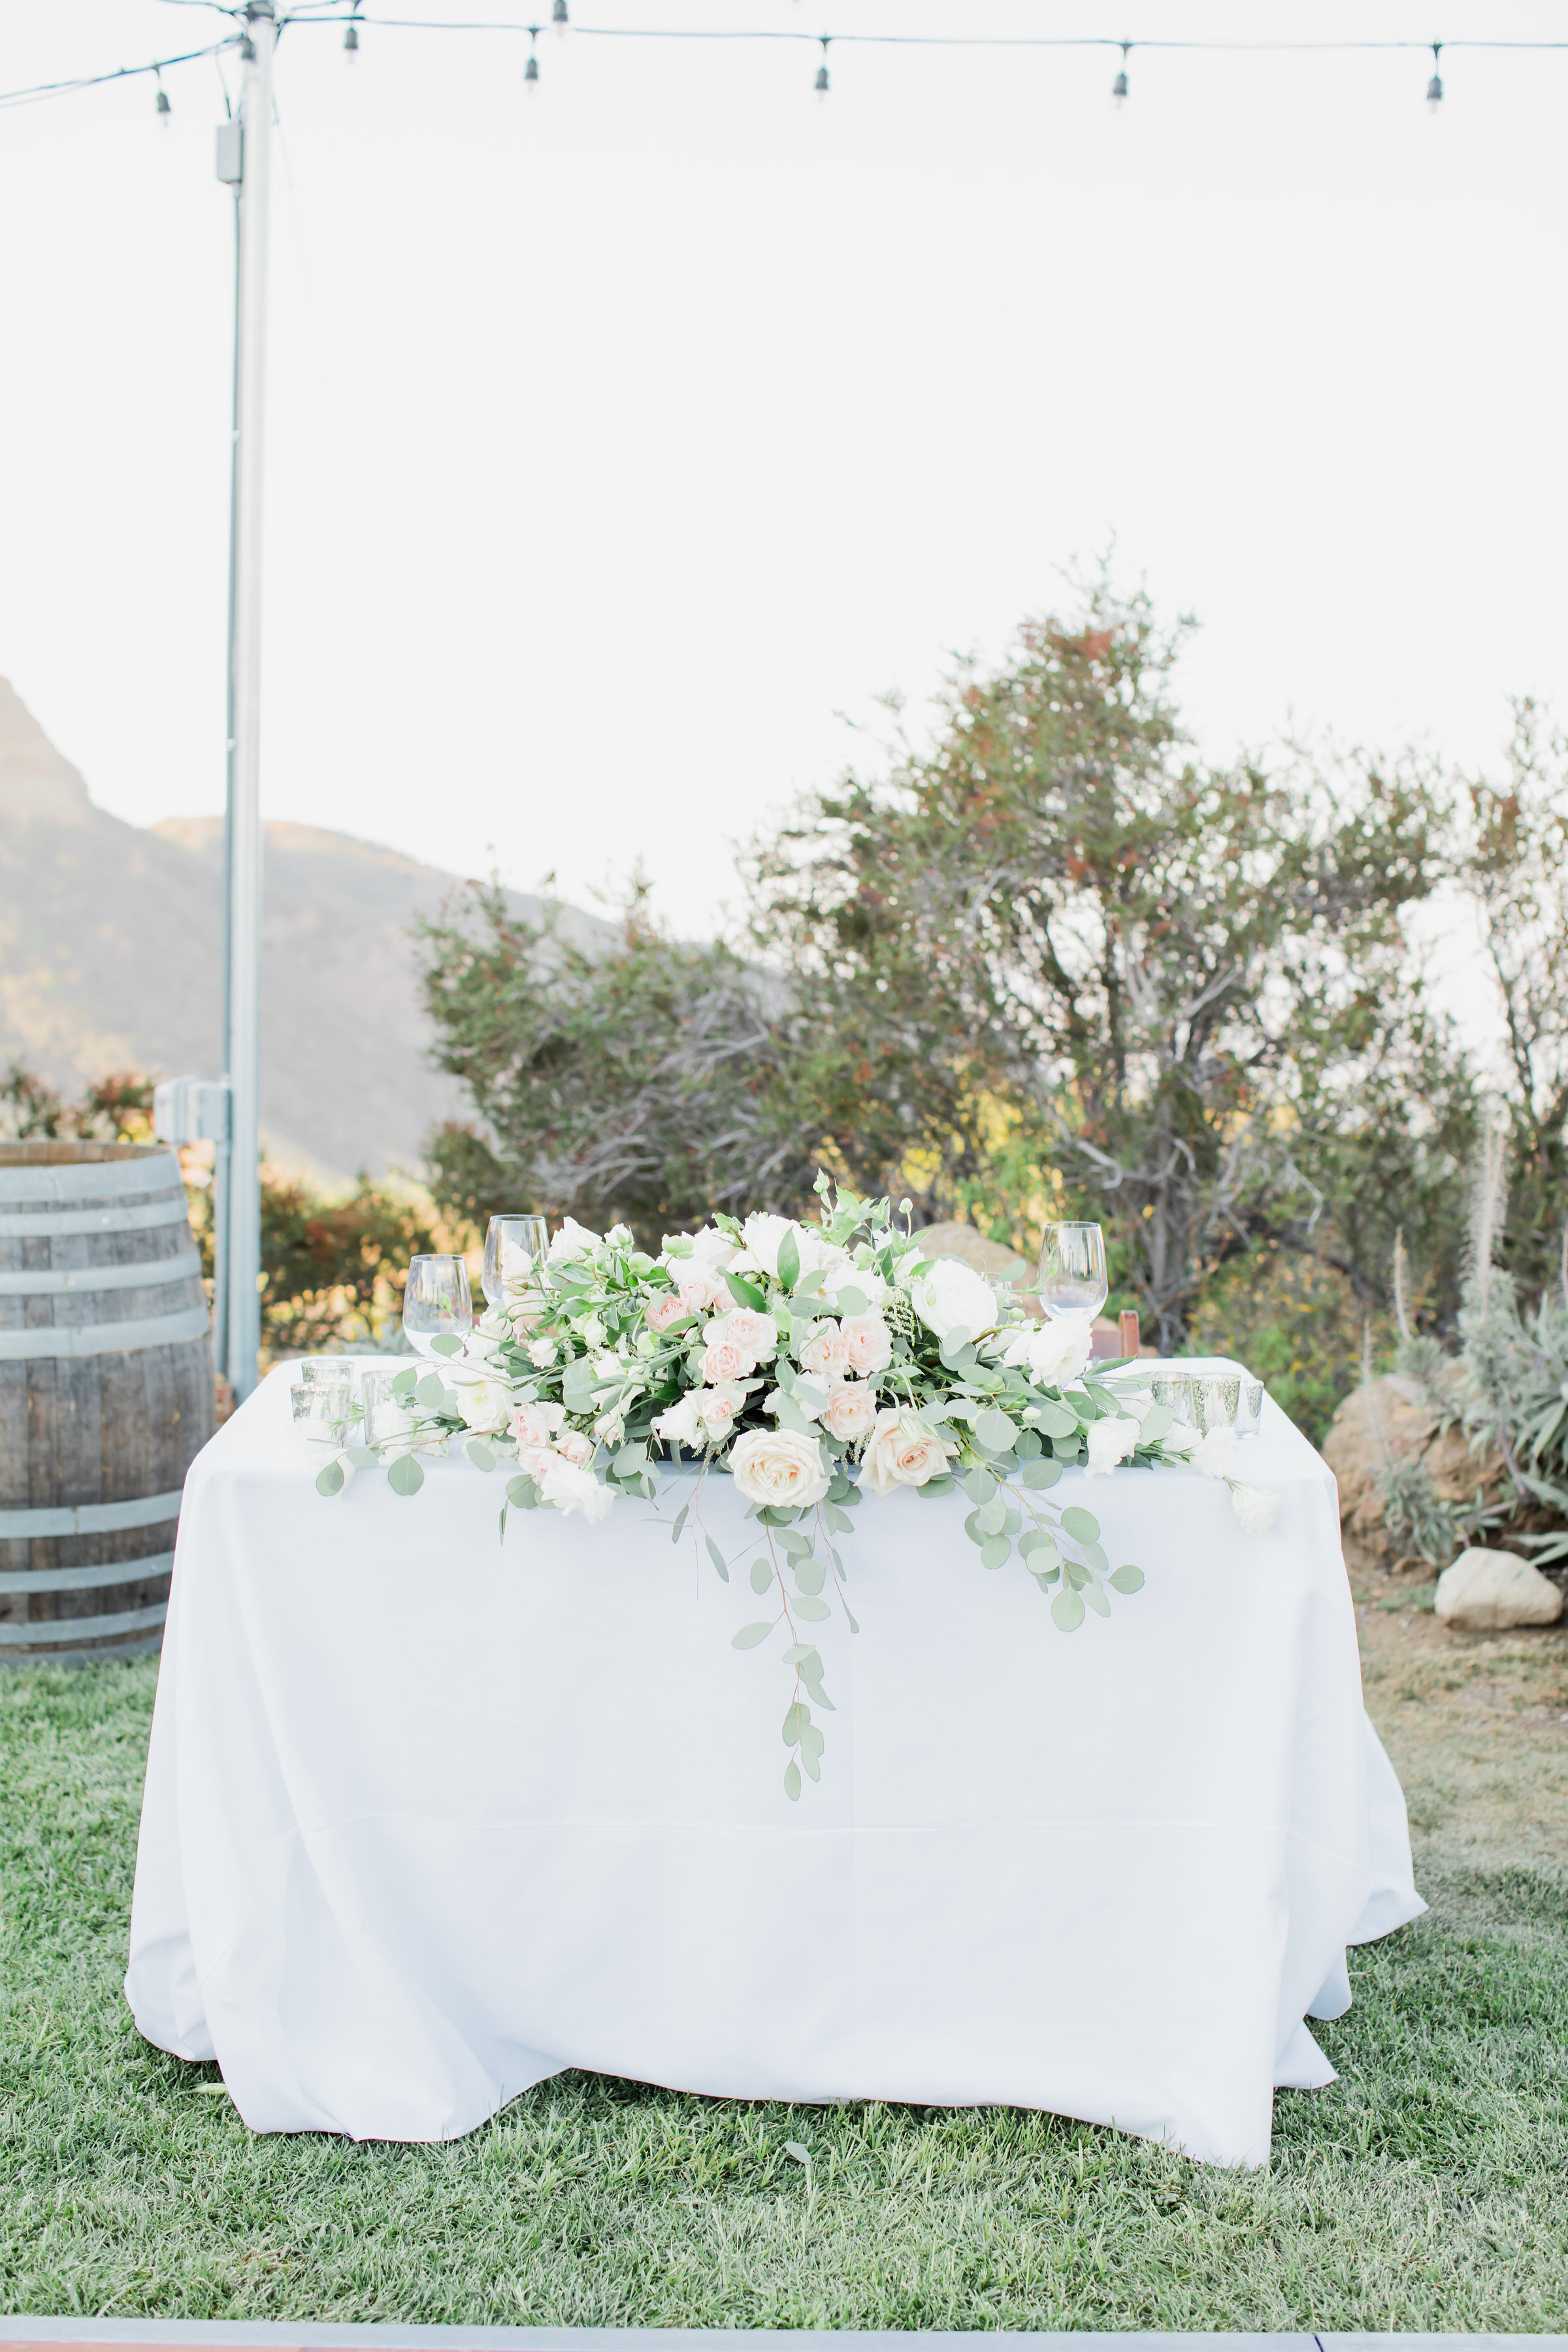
pixel 430 1816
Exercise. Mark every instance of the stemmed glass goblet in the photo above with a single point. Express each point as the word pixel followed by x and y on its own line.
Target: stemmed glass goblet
pixel 1073 1280
pixel 436 1301
pixel 514 1248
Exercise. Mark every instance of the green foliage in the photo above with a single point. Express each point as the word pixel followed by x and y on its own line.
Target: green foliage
pixel 632 1079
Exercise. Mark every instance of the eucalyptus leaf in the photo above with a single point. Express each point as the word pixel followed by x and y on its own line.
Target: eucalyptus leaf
pixel 1037 1540
pixel 750 1636
pixel 996 1551
pixel 1041 1473
pixel 811 1755
pixel 811 1675
pixel 717 1557
pixel 789 1262
pixel 1095 1556
pixel 677 1530
pixel 798 1652
pixel 432 1392
pixel 1055 1419
pixel 979 1485
pixel 1128 1578
pixel 403 1383
pixel 1081 1525
pixel 992 1516
pixel 791 1417
pixel 631 1461
pixel 1094 1594
pixel 973 1528
pixel 851 1301
pixel 994 1431
pixel 446 1343
pixel 362 1458
pixel 792 1781
pixel 810 1575
pixel 761 1575
pixel 746 1293
pixel 1066 1608
pixel 812 1609
pixel 796 1718
pixel 939 1486
pixel 480 1454
pixel 330 1481
pixel 405 1477
pixel 797 1546
pixel 1156 1424
pixel 1067 1449
pixel 1026 1445
pixel 839 1521
pixel 854 1626
pixel 1078 1576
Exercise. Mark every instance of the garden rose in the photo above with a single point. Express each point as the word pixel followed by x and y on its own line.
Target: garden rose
pixel 699 1288
pixel 903 1452
pixel 827 1354
pixel 542 1353
pixel 722 1360
pixel 755 1334
pixel 762 1238
pixel 1109 1442
pixel 572 1241
pixel 536 1424
pixel 779 1466
pixel 951 1297
pixel 666 1309
pixel 718 1407
pixel 679 1425
pixel 484 1403
pixel 576 1445
pixel 867 1343
pixel 572 1488
pixel 1053 1354
pixel 851 1411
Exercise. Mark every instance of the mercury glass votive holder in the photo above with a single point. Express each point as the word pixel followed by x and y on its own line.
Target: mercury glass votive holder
pixel 1249 1417
pixel 1215 1403
pixel 322 1412
pixel 1174 1390
pixel 385 1415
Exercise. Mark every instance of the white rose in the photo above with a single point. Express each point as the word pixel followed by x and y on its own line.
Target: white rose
pixel 1257 1507
pixel 867 1342
pixel 484 1403
pixel 903 1452
pixel 719 1407
pixel 762 1238
pixel 1212 1451
pixel 1109 1442
pixel 572 1241
pixel 542 1353
pixel 1054 1353
pixel 779 1466
pixel 951 1297
pixel 569 1487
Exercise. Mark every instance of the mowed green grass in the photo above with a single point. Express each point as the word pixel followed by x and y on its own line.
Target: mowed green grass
pixel 1427 2189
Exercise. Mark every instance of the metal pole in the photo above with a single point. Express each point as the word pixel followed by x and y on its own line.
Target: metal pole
pixel 243 828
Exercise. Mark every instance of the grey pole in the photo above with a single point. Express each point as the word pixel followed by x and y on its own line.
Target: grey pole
pixel 242 991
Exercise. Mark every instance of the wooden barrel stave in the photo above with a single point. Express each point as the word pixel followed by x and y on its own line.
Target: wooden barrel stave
pixel 94 1443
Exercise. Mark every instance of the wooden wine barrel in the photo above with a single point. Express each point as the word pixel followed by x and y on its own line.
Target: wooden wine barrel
pixel 106 1394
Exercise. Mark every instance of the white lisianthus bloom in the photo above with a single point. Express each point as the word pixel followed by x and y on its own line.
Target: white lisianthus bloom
pixel 903 1451
pixel 951 1297
pixel 1109 1442
pixel 484 1403
pixel 1257 1507
pixel 1053 1354
pixel 542 1353
pixel 620 1236
pixel 1212 1451
pixel 779 1466
pixel 572 1241
pixel 679 1425
pixel 569 1487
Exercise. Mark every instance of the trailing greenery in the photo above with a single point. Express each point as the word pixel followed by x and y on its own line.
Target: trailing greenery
pixel 1426 2189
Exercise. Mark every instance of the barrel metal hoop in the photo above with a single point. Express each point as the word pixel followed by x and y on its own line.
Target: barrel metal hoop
pixel 105 1339
pixel 90 1519
pixel 56 1630
pixel 90 1179
pixel 38 1281
pixel 45 1224
pixel 86 1580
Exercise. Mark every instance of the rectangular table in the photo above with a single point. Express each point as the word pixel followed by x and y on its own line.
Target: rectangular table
pixel 429 1817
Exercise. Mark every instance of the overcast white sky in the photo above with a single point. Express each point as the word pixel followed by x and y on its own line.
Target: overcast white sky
pixel 626 435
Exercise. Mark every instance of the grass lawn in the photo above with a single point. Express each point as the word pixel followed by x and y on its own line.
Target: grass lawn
pixel 1427 2189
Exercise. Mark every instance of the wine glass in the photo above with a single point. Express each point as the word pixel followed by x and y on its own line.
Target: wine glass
pixel 1073 1280
pixel 514 1246
pixel 435 1299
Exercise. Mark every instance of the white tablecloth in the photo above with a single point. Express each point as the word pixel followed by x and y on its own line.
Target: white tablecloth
pixel 429 1818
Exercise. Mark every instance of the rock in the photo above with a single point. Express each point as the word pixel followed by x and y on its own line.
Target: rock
pixel 1485 1590
pixel 1394 1420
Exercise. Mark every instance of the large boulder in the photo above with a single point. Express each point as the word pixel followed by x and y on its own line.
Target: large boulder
pixel 1486 1591
pixel 1395 1420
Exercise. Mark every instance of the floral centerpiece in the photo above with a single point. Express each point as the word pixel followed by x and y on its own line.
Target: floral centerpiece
pixel 816 1364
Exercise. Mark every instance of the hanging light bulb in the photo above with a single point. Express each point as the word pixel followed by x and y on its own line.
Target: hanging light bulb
pixel 351 39
pixel 161 101
pixel 1435 87
pixel 1119 87
pixel 821 83
pixel 558 18
pixel 531 71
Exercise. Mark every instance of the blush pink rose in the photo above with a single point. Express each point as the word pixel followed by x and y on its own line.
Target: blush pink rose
pixel 867 1343
pixel 902 1453
pixel 717 1407
pixel 755 1334
pixel 722 1360
pixel 536 1424
pixel 700 1287
pixel 666 1309
pixel 827 1354
pixel 573 1447
pixel 851 1411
